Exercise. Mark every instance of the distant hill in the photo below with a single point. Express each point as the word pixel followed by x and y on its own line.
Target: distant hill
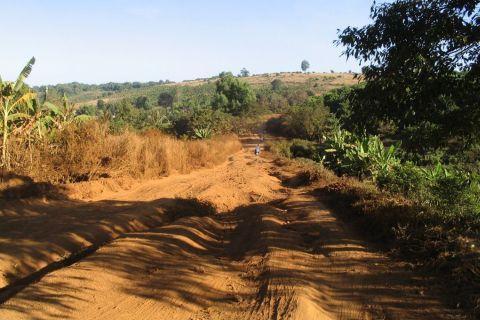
pixel 86 94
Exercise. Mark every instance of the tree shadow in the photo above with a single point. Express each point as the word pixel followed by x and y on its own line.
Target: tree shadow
pixel 259 261
pixel 37 238
pixel 14 186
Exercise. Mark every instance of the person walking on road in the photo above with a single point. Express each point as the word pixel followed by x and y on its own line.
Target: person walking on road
pixel 257 150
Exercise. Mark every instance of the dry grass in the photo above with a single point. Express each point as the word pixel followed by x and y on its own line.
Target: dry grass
pixel 88 152
pixel 287 77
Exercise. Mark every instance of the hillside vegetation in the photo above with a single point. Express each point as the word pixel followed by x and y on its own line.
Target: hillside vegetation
pixel 84 94
pixel 132 132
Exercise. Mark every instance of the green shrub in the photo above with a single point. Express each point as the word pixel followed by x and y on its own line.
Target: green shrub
pixel 457 197
pixel 311 121
pixel 197 120
pixel 232 95
pixel 453 195
pixel 363 157
pixel 406 179
pixel 280 148
pixel 303 149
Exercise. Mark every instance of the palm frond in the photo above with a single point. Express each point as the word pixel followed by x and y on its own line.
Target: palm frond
pixel 23 99
pixel 53 108
pixel 18 115
pixel 24 74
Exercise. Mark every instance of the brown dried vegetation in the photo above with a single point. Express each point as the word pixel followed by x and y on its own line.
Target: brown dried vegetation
pixel 84 152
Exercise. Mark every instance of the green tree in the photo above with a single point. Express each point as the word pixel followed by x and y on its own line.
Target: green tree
pixel 338 102
pixel 142 103
pixel 101 105
pixel 89 110
pixel 122 114
pixel 423 72
pixel 166 99
pixel 310 121
pixel 232 95
pixel 244 73
pixel 277 85
pixel 305 65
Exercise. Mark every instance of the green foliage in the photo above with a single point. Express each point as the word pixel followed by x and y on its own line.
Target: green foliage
pixel 304 149
pixel 424 72
pixel 84 92
pixel 13 100
pixel 310 121
pixel 166 99
pixel 88 110
pixel 280 147
pixel 272 101
pixel 305 65
pixel 154 118
pixel 359 156
pixel 452 193
pixel 232 95
pixel 101 104
pixel 244 73
pixel 277 85
pixel 198 122
pixel 142 102
pixel 203 133
pixel 338 102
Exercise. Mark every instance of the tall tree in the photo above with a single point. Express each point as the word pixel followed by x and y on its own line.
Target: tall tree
pixel 244 73
pixel 305 65
pixel 422 72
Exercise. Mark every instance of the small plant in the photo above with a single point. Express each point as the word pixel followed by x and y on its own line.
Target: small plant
pixel 203 133
pixel 436 173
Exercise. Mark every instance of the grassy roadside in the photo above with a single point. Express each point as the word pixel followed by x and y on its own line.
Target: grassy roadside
pixel 406 229
pixel 89 152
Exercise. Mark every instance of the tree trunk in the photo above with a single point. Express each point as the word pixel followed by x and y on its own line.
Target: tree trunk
pixel 5 163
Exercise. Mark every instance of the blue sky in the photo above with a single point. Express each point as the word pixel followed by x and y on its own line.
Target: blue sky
pixel 119 40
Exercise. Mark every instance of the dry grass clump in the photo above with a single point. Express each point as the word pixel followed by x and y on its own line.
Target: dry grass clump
pixel 87 152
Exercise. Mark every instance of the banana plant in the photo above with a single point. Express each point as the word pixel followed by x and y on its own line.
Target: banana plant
pixel 37 123
pixel 12 98
pixel 64 114
pixel 361 156
pixel 335 149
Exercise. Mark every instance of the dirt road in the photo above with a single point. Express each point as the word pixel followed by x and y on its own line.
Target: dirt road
pixel 269 252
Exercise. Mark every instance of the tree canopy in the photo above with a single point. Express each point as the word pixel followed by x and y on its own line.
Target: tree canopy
pixel 166 99
pixel 232 95
pixel 305 65
pixel 244 73
pixel 422 69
